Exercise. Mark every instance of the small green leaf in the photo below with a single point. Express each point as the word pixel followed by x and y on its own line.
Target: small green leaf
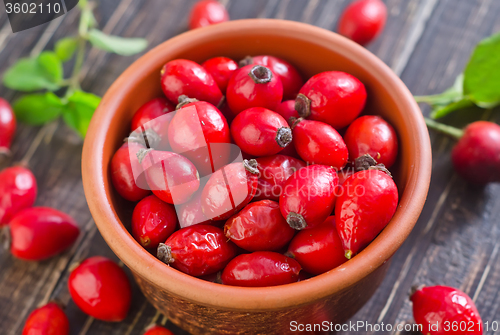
pixel 32 74
pixel 119 45
pixel 65 48
pixel 443 111
pixel 37 109
pixel 51 65
pixel 79 111
pixel 482 74
pixel 82 4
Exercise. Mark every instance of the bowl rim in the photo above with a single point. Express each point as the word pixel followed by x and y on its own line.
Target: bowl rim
pixel 143 264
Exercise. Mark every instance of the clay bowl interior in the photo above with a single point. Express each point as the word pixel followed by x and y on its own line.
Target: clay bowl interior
pixel 205 307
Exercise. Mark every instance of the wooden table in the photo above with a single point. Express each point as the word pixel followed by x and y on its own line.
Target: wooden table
pixel 426 42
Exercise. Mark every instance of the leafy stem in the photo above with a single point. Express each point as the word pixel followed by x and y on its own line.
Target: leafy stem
pixel 445 129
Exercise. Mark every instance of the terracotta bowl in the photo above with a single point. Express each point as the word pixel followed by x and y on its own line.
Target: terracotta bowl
pixel 202 307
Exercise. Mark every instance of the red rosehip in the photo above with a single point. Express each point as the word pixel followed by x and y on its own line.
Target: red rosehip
pixel 124 167
pixel 158 330
pixel 171 177
pixel 372 135
pixel 290 78
pixel 319 143
pixel 287 110
pixel 101 289
pixel 253 86
pixel 318 249
pixel 436 307
pixel 39 233
pixel 333 97
pixel 274 172
pixel 261 268
pixel 153 221
pixel 259 227
pixel 221 69
pixel 18 190
pixel 185 77
pixel 260 132
pixel 229 189
pixel 197 250
pixel 308 197
pixel 369 201
pixel 191 213
pixel 7 126
pixel 200 132
pixel 344 174
pixel 206 13
pixel 363 20
pixel 49 319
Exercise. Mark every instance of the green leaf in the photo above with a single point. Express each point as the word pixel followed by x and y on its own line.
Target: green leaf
pixel 453 94
pixel 119 45
pixel 443 111
pixel 65 48
pixel 38 109
pixel 79 111
pixel 51 65
pixel 482 74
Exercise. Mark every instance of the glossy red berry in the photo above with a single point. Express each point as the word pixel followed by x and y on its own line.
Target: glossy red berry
pixel 319 143
pixel 39 233
pixel 191 213
pixel 253 86
pixel 318 249
pixel 197 250
pixel 370 134
pixel 153 221
pixel 259 227
pixel 261 268
pixel 158 330
pixel 206 13
pixel 363 20
pixel 7 126
pixel 229 189
pixel 49 319
pixel 18 190
pixel 124 167
pixel 287 110
pixel 309 196
pixel 333 97
pixel 290 78
pixel 368 202
pixel 274 172
pixel 171 177
pixel 185 77
pixel 221 69
pixel 101 289
pixel 260 132
pixel 444 310
pixel 200 132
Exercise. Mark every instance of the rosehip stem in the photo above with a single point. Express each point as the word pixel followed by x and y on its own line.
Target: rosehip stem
pixel 445 129
pixel 5 238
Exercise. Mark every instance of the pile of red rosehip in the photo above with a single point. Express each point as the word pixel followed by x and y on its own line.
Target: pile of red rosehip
pixel 298 196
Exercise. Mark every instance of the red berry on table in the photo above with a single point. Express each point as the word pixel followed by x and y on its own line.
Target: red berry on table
pixel 333 97
pixel 436 307
pixel 197 250
pixel 290 78
pixel 200 132
pixel 124 167
pixel 18 190
pixel 260 132
pixel 101 289
pixel 274 172
pixel 49 319
pixel 367 204
pixel 318 249
pixel 253 86
pixel 229 189
pixel 185 77
pixel 319 143
pixel 153 221
pixel 370 134
pixel 363 20
pixel 259 227
pixel 7 126
pixel 39 233
pixel 221 69
pixel 206 13
pixel 171 177
pixel 158 330
pixel 261 268
pixel 308 197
